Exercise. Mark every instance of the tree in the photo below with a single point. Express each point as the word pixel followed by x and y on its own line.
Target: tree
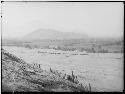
pixel 93 50
pixel 28 46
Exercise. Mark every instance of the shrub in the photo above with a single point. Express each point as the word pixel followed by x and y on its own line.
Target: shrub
pixel 72 78
pixel 28 46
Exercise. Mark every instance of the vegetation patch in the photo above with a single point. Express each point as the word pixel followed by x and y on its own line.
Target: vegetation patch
pixel 18 76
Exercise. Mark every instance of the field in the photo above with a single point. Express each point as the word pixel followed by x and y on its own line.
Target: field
pixel 104 71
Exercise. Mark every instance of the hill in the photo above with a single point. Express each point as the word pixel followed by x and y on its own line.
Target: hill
pixel 48 38
pixel 53 34
pixel 18 76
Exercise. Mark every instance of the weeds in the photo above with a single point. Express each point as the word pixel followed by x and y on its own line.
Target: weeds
pixel 72 78
pixel 30 77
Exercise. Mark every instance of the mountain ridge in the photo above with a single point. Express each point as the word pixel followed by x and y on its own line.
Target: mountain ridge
pixel 53 34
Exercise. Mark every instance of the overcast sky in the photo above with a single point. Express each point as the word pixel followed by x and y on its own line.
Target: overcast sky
pixel 100 19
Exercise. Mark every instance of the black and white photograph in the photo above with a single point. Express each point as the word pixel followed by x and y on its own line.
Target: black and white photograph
pixel 62 46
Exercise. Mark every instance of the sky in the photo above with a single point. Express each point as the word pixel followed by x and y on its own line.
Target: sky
pixel 102 19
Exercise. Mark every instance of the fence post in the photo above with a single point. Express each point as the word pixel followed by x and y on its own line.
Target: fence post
pixel 89 87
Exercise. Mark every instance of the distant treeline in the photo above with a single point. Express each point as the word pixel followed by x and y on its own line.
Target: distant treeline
pixel 90 46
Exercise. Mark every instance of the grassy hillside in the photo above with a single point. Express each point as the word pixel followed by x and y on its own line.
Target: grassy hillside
pixel 18 76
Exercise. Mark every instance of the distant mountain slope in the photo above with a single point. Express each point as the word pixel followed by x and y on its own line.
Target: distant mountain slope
pixel 53 34
pixel 18 76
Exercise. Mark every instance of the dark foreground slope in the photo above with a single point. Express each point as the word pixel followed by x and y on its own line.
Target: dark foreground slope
pixel 18 76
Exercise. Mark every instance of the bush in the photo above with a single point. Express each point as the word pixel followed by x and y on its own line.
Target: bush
pixel 28 46
pixel 72 78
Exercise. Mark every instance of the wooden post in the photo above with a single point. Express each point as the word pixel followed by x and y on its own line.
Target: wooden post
pixel 89 87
